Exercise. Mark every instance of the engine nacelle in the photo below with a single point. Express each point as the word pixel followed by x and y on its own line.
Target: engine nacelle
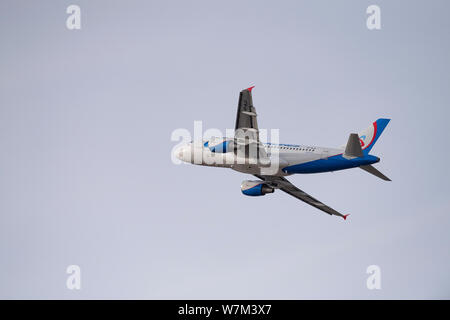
pixel 220 145
pixel 255 188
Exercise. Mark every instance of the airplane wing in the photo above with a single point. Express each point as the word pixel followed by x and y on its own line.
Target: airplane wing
pixel 284 185
pixel 246 115
pixel 246 129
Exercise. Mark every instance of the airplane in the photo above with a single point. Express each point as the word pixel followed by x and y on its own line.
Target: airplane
pixel 271 163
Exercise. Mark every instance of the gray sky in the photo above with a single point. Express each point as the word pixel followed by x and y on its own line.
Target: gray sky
pixel 86 176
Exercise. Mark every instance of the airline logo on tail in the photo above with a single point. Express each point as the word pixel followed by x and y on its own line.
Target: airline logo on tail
pixel 369 136
pixel 361 140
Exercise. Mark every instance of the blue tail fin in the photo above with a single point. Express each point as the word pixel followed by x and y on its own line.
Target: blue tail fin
pixel 368 137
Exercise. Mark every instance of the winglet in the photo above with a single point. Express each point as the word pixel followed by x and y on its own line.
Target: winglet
pixel 345 216
pixel 250 89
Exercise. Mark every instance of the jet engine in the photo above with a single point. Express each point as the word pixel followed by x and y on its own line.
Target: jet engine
pixel 255 188
pixel 220 145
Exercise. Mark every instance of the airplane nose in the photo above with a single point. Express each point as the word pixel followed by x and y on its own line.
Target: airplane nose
pixel 179 153
pixel 183 153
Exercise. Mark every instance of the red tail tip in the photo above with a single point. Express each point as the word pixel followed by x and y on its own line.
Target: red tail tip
pixel 345 216
pixel 250 89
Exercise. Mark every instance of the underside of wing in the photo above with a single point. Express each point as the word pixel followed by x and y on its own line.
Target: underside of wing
pixel 246 137
pixel 284 185
pixel 246 114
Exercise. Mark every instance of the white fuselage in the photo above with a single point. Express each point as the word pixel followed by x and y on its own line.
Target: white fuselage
pixel 280 155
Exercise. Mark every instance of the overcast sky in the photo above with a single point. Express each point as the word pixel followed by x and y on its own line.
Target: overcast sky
pixel 86 176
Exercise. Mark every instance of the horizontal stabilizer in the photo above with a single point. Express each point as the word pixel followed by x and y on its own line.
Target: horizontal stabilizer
pixel 370 169
pixel 353 148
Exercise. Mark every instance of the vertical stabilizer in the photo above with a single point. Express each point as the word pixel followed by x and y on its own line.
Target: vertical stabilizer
pixel 368 137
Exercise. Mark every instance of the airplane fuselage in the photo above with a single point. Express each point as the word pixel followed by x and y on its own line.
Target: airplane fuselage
pixel 286 158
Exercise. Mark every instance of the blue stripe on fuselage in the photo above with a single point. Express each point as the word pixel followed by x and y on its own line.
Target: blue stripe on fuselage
pixel 333 163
